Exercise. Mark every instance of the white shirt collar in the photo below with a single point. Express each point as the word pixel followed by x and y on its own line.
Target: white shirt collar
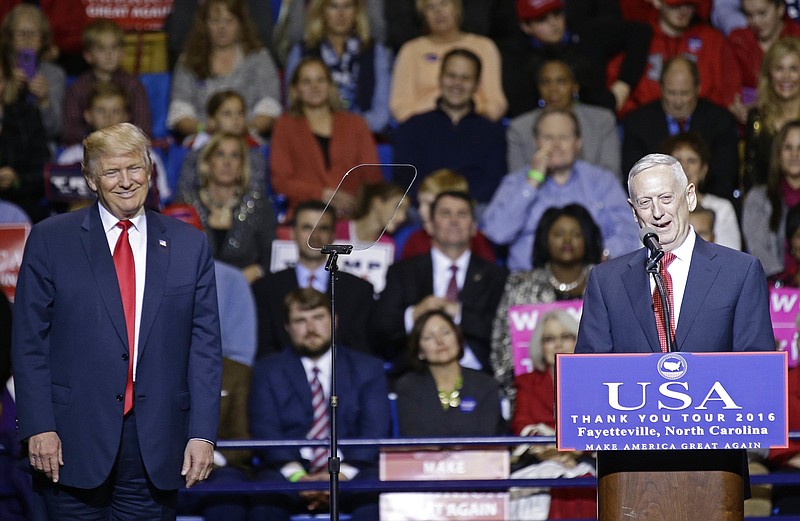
pixel 684 251
pixel 110 221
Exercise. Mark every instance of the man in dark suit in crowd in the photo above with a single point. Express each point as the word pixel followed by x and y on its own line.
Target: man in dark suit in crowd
pixel 110 297
pixel 287 402
pixel 467 287
pixel 355 296
pixel 719 298
pixel 681 110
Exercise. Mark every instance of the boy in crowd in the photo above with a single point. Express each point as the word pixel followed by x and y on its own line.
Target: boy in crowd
pixel 103 42
pixel 107 105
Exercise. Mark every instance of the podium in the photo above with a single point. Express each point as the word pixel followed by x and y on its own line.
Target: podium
pixel 671 430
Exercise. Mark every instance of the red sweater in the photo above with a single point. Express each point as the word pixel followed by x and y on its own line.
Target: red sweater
pixel 297 164
pixel 701 43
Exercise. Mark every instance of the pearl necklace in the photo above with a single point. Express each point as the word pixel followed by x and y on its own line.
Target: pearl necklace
pixel 564 287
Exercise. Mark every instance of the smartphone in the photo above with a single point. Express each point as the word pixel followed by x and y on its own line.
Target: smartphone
pixel 26 61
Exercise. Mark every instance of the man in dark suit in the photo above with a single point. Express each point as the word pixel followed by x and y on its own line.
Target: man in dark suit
pixel 90 324
pixel 720 294
pixel 284 405
pixel 719 301
pixel 681 110
pixel 467 287
pixel 355 296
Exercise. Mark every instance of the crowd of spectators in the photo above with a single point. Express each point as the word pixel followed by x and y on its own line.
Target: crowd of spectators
pixel 521 119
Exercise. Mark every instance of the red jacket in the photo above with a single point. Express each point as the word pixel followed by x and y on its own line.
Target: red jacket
pixel 705 46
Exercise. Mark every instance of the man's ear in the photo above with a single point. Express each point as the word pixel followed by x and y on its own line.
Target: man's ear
pixel 635 216
pixel 90 181
pixel 691 197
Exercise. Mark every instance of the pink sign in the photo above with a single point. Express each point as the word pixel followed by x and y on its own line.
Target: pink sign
pixel 444 465
pixel 522 322
pixel 784 306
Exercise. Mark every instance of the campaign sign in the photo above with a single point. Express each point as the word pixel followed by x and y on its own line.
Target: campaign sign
pixel 522 322
pixel 370 264
pixel 784 307
pixel 668 401
pixel 65 183
pixel 12 245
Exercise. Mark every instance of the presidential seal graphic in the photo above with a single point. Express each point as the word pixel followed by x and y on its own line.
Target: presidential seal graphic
pixel 672 366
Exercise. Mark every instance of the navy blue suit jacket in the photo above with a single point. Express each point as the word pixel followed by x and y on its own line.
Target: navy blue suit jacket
pixel 280 404
pixel 725 306
pixel 70 346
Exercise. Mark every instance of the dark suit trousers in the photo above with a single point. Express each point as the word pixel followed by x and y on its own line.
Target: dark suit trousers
pixel 126 495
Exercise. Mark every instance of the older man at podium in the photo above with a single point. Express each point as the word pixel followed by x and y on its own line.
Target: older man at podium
pixel 718 299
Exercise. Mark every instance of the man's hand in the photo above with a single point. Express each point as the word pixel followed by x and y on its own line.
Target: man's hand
pixel 429 303
pixel 539 162
pixel 44 453
pixel 316 499
pixel 198 459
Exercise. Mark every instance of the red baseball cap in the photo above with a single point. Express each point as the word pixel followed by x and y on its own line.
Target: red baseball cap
pixel 674 3
pixel 531 9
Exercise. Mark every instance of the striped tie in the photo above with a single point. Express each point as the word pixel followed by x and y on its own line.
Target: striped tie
pixel 319 426
pixel 659 309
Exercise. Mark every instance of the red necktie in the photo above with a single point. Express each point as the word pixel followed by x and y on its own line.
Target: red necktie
pixel 658 308
pixel 126 275
pixel 452 286
pixel 319 425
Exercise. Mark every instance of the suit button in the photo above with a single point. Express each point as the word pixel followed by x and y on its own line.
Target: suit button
pixel 120 398
pixel 124 357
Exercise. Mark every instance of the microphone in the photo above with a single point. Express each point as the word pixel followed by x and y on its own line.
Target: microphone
pixel 649 238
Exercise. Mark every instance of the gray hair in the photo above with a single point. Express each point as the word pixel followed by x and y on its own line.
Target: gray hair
pixel 535 347
pixel 653 160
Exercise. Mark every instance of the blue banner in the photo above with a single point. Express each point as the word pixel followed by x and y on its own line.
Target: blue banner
pixel 671 401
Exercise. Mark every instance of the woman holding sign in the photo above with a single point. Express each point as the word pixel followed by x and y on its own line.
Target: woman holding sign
pixel 566 246
pixel 534 414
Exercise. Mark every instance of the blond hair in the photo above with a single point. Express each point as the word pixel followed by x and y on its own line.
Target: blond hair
pixel 94 30
pixel 315 30
pixel 122 139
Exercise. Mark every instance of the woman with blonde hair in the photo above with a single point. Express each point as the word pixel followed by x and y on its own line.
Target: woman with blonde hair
pixel 415 78
pixel 534 414
pixel 778 102
pixel 239 220
pixel 223 51
pixel 316 143
pixel 338 32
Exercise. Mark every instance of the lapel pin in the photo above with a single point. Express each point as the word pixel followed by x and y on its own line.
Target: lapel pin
pixel 162 243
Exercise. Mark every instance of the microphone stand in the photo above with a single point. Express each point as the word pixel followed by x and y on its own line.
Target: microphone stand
pixel 333 251
pixel 651 266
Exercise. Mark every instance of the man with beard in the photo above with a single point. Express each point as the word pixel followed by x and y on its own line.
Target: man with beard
pixel 289 398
